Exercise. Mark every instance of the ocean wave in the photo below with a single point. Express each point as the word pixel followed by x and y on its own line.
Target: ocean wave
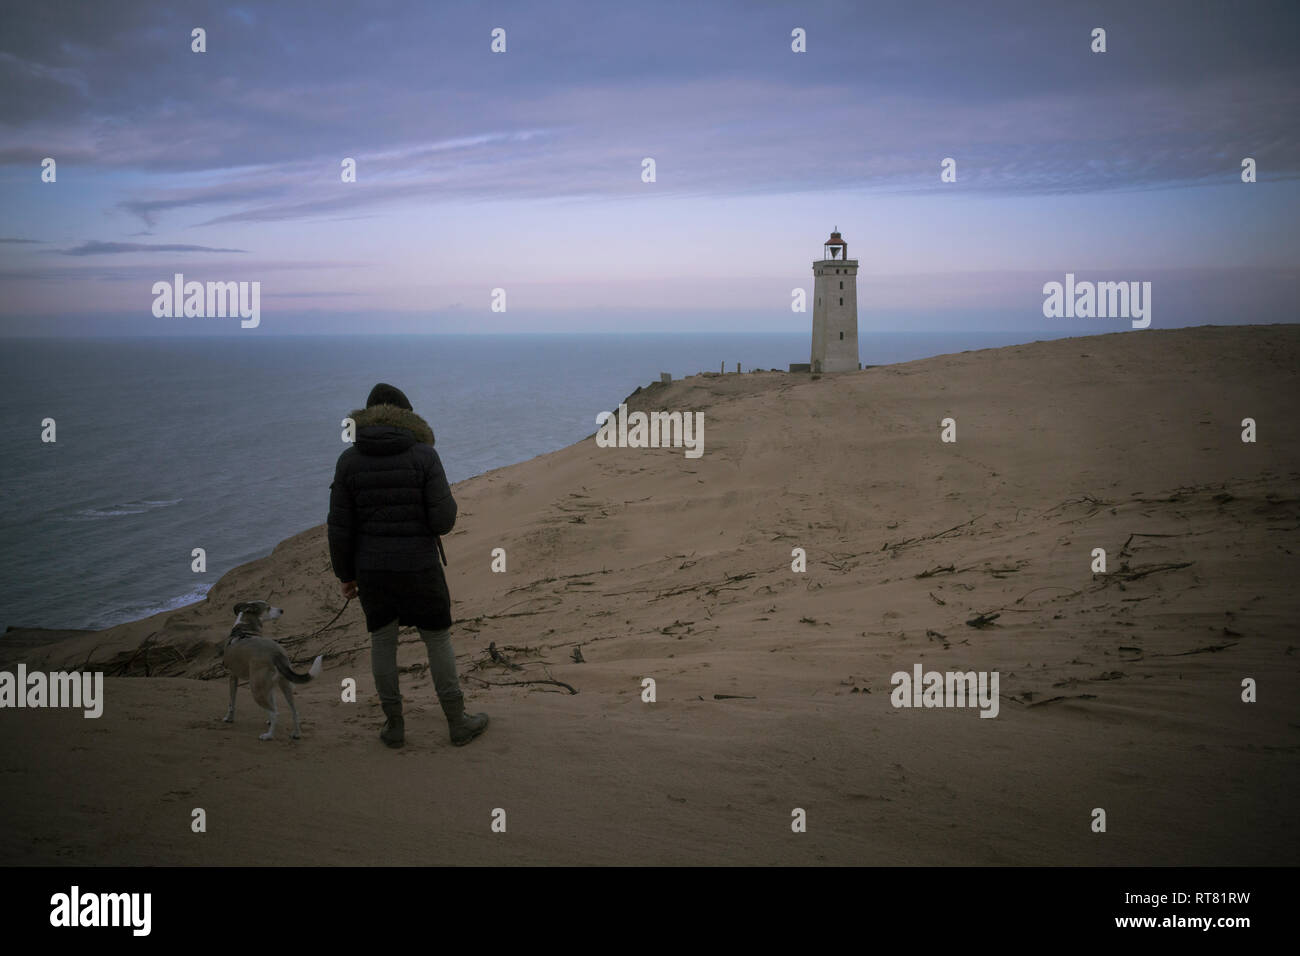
pixel 124 508
pixel 138 611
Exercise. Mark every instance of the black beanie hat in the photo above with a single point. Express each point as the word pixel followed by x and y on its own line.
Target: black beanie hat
pixel 383 394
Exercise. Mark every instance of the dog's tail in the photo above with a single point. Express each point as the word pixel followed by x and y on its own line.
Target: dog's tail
pixel 288 673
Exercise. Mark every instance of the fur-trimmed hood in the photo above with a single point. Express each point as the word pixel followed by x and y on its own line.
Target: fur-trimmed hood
pixel 379 421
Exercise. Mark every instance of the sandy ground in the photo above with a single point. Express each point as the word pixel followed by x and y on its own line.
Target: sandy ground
pixel 1120 691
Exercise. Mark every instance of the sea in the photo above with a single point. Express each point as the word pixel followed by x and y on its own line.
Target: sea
pixel 164 445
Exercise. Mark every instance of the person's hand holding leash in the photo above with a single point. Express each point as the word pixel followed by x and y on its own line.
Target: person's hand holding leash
pixel 349 589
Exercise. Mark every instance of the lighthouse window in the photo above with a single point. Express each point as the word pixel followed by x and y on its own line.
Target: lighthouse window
pixel 841 336
pixel 841 300
pixel 841 283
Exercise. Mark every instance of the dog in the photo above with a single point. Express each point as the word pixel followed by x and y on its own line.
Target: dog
pixel 263 663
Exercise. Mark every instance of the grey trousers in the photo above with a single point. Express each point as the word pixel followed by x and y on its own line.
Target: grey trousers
pixel 383 662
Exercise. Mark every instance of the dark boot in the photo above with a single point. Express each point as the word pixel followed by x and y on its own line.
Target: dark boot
pixel 464 727
pixel 394 732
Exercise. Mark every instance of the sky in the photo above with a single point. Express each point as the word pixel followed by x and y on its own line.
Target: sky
pixel 522 170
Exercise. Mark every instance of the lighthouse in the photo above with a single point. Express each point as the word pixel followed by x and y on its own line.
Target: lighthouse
pixel 835 309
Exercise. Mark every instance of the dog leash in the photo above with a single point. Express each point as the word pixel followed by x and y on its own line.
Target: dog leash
pixel 332 620
pixel 326 627
pixel 441 553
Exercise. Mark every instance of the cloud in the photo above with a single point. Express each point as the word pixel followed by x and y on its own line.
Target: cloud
pixel 731 141
pixel 152 272
pixel 166 200
pixel 721 101
pixel 93 247
pixel 311 295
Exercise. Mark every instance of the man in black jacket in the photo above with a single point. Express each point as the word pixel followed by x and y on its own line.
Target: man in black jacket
pixel 389 505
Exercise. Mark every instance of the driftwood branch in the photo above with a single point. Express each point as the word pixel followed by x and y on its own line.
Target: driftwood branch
pixel 1141 572
pixel 906 542
pixel 1210 649
pixel 501 658
pixel 1052 700
pixel 521 683
pixel 1140 534
pixel 1046 587
pixel 939 570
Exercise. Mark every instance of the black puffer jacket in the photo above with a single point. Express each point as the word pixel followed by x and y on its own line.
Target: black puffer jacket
pixel 390 500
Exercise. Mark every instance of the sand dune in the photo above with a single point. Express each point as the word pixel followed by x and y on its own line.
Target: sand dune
pixel 1120 691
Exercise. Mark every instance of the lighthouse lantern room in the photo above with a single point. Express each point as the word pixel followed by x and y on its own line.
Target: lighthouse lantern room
pixel 835 308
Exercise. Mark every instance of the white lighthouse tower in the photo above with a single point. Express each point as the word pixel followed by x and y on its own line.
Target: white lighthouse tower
pixel 835 309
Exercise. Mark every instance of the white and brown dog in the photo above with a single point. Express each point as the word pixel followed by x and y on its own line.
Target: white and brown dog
pixel 263 663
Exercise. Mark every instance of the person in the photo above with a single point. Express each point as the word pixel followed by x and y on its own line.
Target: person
pixel 389 506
